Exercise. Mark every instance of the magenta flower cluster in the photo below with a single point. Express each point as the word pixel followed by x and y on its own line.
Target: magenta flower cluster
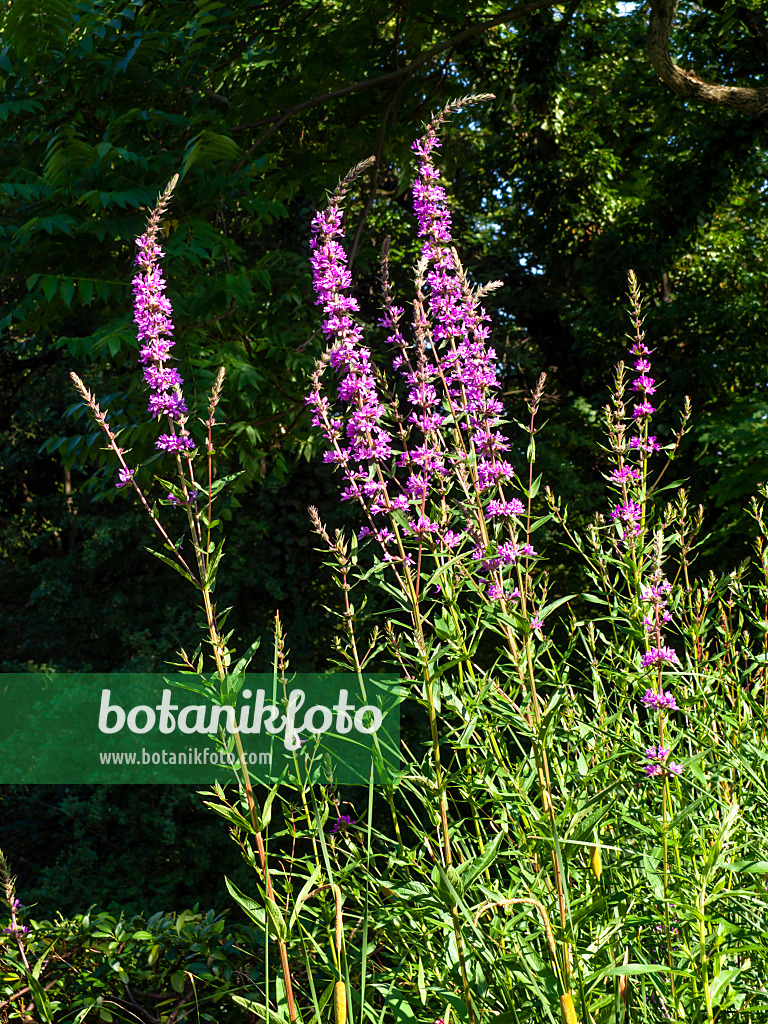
pixel 658 764
pixel 628 478
pixel 655 595
pixel 404 444
pixel 155 327
pixel 15 928
pixel 663 701
pixel 660 700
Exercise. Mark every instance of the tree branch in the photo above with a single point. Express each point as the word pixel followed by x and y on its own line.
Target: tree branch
pixel 276 120
pixel 687 84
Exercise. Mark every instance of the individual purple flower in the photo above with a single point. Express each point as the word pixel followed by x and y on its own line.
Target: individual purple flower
pixel 450 538
pixel 508 552
pixel 343 821
pixel 495 593
pixel 655 592
pixel 643 383
pixel 158 378
pixel 422 525
pixel 657 753
pixel 167 403
pixel 625 473
pixel 124 476
pixel 630 513
pixel 643 409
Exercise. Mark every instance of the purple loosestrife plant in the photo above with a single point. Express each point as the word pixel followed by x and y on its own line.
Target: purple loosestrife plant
pixel 417 437
pixel 421 450
pixel 154 329
pixel 631 477
pixel 637 446
pixel 528 736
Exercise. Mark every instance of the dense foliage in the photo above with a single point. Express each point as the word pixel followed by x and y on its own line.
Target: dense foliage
pixel 99 966
pixel 585 167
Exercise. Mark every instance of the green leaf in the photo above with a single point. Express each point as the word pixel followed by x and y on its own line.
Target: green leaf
pixel 276 918
pixel 653 876
pixel 719 986
pixel 259 1008
pixel 420 985
pixel 253 909
pixel 231 815
pixel 50 286
pixel 67 290
pixel 472 869
pixel 174 565
pixel 209 147
pixel 213 565
pixel 632 969
pixel 305 890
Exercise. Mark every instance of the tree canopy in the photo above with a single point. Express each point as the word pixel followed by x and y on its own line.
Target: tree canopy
pixel 621 136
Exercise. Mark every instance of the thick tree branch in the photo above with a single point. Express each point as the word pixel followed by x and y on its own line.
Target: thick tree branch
pixel 686 83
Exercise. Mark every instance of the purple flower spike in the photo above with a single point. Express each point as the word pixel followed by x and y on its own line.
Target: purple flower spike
pixel 152 314
pixel 406 447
